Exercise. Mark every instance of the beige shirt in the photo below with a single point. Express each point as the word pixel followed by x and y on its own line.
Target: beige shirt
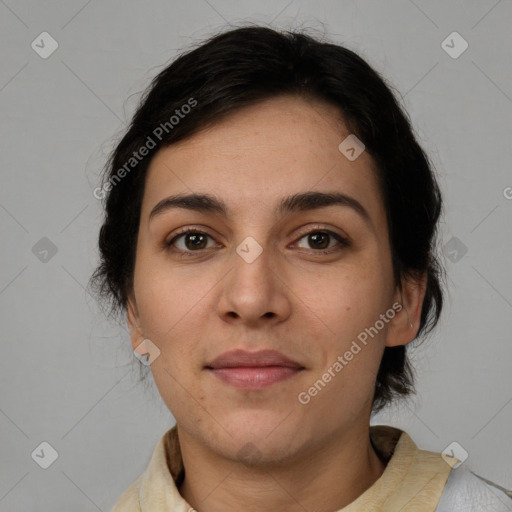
pixel 412 481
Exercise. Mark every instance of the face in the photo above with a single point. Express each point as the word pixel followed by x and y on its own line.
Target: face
pixel 300 280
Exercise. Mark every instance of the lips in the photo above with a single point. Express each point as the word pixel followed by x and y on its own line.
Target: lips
pixel 253 370
pixel 242 358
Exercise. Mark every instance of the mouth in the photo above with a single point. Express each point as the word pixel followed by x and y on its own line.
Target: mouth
pixel 253 370
pixel 254 377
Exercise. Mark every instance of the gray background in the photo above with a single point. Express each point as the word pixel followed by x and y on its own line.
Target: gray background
pixel 68 376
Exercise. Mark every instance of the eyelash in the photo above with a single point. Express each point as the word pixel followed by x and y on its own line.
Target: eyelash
pixel 343 242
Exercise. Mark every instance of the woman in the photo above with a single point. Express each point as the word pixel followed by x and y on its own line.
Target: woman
pixel 270 232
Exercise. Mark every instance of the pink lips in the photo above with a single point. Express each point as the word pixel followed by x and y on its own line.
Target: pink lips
pixel 253 370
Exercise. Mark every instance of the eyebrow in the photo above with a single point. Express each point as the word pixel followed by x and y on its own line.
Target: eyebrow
pixel 206 203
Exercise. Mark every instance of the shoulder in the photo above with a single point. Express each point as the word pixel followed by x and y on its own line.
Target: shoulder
pixel 129 500
pixel 466 491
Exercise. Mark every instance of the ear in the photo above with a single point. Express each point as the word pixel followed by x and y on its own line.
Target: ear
pixel 132 318
pixel 404 326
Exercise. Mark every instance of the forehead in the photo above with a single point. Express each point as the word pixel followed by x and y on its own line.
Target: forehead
pixel 261 153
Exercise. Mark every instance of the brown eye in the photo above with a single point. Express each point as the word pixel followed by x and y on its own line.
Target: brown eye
pixel 193 241
pixel 319 240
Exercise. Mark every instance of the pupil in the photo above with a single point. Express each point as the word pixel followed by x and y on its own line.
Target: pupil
pixel 315 238
pixel 195 239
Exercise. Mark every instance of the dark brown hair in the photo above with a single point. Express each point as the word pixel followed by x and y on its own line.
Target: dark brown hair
pixel 249 64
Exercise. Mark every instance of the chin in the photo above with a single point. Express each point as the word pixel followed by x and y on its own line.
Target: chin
pixel 257 433
pixel 256 424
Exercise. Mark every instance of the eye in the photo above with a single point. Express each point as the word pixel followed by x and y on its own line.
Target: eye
pixel 193 240
pixel 319 240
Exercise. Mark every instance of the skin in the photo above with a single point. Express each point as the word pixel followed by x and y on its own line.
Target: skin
pixel 318 456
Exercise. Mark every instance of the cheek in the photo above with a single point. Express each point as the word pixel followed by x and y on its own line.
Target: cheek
pixel 170 312
pixel 169 315
pixel 348 299
pixel 168 297
pixel 345 308
pixel 348 352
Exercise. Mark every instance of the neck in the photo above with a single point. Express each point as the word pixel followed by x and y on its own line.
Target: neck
pixel 329 477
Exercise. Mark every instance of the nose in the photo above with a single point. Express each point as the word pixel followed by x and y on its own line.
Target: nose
pixel 255 293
